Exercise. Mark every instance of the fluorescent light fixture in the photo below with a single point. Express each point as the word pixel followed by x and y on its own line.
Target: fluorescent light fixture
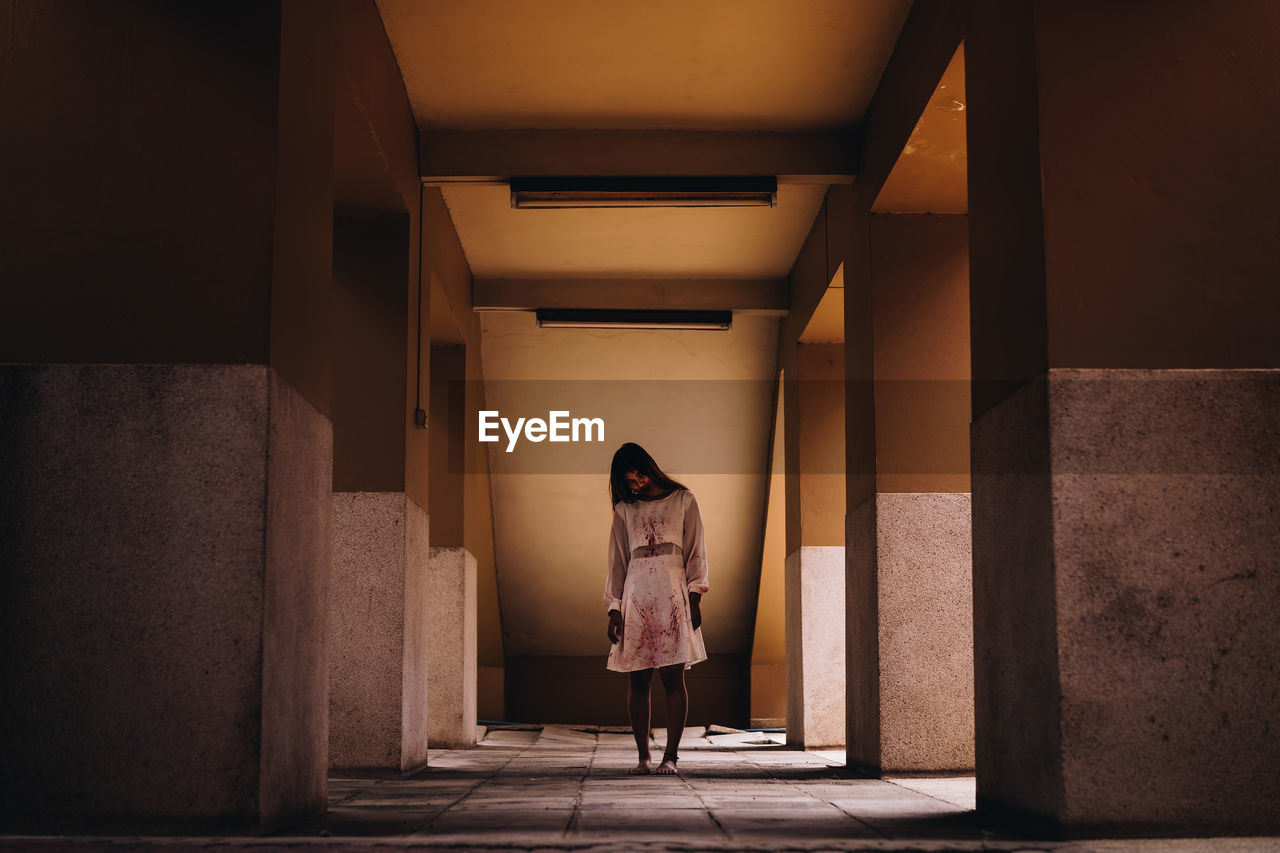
pixel 535 193
pixel 589 318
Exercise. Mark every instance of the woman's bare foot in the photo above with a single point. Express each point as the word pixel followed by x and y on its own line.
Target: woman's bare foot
pixel 641 769
pixel 668 766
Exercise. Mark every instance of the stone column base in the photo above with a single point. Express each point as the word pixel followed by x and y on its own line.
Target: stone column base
pixel 452 671
pixel 379 632
pixel 910 669
pixel 815 647
pixel 164 538
pixel 1126 596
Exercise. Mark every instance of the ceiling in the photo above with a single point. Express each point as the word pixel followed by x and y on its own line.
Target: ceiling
pixel 711 65
pixel 641 64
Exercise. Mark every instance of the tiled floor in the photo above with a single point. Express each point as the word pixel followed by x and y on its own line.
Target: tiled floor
pixel 567 789
pixel 563 785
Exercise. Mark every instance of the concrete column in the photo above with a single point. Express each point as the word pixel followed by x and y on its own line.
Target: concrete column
pixel 164 421
pixel 378 683
pixel 378 605
pixel 813 402
pixel 910 665
pixel 815 647
pixel 165 533
pixel 1125 363
pixel 451 660
pixel 452 606
pixel 378 630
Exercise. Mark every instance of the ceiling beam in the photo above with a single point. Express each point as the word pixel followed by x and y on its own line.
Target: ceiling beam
pixel 756 295
pixel 821 157
pixel 929 38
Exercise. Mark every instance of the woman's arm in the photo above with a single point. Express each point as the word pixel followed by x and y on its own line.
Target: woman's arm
pixel 619 556
pixel 696 573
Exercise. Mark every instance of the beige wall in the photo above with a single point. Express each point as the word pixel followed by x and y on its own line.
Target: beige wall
pixel 813 404
pixel 369 352
pixel 818 429
pixel 769 643
pixel 115 234
pixel 1168 257
pixel 376 306
pixel 447 424
pixel 551 505
pixel 920 275
pixel 1146 257
pixel 376 173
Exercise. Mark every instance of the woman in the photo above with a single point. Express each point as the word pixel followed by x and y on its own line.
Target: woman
pixel 657 577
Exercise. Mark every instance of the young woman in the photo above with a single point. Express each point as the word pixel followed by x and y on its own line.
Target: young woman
pixel 657 577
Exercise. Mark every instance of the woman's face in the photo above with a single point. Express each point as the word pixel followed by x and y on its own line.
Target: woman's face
pixel 638 483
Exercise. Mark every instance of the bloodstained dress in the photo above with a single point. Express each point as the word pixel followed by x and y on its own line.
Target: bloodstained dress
pixel 657 556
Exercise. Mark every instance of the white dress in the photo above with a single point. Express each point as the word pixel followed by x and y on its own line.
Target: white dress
pixel 657 556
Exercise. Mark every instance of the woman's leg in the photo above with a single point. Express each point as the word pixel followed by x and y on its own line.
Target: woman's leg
pixel 638 707
pixel 677 711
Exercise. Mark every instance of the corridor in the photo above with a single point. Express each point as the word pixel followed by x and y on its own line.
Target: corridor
pixel 323 322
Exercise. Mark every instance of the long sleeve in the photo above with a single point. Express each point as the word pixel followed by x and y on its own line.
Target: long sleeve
pixel 696 572
pixel 619 556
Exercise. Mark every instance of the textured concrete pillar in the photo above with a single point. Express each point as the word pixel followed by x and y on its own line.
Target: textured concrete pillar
pixel 1126 346
pixel 166 454
pixel 165 535
pixel 1137 640
pixel 379 628
pixel 815 646
pixel 813 405
pixel 910 699
pixel 378 687
pixel 451 658
pixel 910 658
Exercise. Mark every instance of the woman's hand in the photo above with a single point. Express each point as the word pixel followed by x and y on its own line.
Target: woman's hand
pixel 695 609
pixel 615 626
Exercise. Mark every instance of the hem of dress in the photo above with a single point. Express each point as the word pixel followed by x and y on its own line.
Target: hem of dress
pixel 688 664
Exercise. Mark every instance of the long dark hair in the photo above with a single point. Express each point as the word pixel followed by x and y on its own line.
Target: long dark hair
pixel 633 457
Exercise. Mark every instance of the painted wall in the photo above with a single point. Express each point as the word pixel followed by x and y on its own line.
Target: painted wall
pixel 817 422
pixel 1141 256
pixel 920 275
pixel 375 172
pixel 370 348
pixel 447 423
pixel 698 401
pixel 769 642
pixel 1147 254
pixel 114 233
